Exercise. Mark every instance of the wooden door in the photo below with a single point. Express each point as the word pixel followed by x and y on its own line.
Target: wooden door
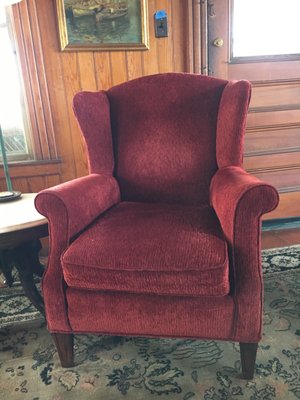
pixel 272 142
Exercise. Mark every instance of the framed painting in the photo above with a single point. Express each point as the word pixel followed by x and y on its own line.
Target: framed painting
pixel 102 25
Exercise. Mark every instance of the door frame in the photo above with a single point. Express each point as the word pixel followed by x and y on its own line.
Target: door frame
pixel 197 36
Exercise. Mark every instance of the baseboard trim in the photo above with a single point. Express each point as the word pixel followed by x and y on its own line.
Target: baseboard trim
pixel 281 223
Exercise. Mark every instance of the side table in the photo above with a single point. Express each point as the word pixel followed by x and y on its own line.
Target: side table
pixel 21 227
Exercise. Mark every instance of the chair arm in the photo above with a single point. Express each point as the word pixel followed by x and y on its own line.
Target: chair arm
pixel 75 204
pixel 239 200
pixel 69 207
pixel 236 195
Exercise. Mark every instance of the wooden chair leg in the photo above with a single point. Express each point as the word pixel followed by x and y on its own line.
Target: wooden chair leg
pixel 64 344
pixel 248 357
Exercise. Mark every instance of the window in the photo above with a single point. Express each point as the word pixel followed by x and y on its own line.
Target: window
pixel 265 28
pixel 31 125
pixel 13 117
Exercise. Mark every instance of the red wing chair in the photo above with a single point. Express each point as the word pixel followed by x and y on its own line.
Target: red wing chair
pixel 162 238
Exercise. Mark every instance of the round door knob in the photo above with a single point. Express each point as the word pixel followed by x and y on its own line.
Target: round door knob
pixel 218 42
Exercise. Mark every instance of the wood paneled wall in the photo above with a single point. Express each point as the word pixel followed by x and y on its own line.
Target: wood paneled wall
pixel 69 72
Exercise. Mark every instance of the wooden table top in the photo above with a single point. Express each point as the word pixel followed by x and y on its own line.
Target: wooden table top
pixel 20 214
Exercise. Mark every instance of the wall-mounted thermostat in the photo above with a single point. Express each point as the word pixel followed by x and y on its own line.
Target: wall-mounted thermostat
pixel 161 23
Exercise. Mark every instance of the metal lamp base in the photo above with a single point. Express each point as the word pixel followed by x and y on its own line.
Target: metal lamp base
pixel 9 196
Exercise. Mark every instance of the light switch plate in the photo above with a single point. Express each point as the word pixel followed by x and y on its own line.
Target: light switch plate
pixel 161 24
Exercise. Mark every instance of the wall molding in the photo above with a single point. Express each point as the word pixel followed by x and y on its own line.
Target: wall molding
pixel 263 128
pixel 280 168
pixel 277 82
pixel 283 107
pixel 272 151
pixel 289 189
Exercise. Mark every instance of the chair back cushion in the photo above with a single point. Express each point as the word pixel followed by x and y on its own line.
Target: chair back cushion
pixel 164 137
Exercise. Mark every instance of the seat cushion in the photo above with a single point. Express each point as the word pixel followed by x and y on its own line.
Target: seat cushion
pixel 166 249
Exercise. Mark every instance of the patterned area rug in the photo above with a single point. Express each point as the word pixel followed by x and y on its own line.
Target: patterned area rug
pixel 139 368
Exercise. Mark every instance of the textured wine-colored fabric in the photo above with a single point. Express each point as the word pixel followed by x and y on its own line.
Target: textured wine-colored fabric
pixel 83 199
pixel 53 286
pixel 231 123
pixel 154 263
pixel 239 200
pixel 164 133
pixel 93 114
pixel 69 208
pixel 151 248
pixel 152 315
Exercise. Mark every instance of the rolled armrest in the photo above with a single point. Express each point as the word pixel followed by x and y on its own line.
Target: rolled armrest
pixel 236 194
pixel 78 202
pixel 239 200
pixel 70 207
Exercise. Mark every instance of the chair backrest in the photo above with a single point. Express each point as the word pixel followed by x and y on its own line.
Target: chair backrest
pixel 164 130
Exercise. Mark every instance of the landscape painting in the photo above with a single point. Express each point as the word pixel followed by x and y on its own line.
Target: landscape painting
pixel 102 24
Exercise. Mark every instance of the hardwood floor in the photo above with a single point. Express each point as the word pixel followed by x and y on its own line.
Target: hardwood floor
pixel 280 238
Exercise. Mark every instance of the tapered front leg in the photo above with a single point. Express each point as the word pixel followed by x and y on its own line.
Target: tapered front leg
pixel 248 357
pixel 64 343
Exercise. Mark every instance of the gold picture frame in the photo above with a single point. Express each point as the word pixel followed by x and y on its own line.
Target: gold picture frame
pixel 102 25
